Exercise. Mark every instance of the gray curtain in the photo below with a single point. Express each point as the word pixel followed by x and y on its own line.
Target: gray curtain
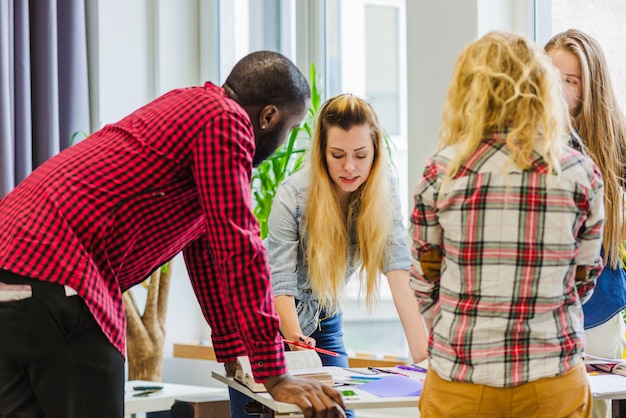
pixel 44 95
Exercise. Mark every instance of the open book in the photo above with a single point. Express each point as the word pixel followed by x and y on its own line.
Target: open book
pixel 607 365
pixel 301 363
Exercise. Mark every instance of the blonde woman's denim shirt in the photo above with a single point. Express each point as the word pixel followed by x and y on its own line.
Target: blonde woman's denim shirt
pixel 286 245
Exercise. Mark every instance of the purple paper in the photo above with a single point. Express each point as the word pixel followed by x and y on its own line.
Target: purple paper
pixel 393 386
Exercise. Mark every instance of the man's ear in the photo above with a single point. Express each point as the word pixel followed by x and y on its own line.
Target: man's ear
pixel 269 116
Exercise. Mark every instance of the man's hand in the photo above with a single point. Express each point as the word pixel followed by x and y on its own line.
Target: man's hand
pixel 230 368
pixel 314 398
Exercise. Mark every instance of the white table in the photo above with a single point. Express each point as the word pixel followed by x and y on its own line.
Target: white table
pixel 163 399
pixel 366 401
pixel 603 386
pixel 607 386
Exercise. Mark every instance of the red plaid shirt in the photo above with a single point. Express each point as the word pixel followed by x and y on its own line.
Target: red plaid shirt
pixel 172 176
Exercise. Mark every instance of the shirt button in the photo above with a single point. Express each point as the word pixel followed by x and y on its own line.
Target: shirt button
pixel 260 364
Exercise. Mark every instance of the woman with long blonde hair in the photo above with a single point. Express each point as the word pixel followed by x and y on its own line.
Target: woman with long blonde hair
pixel 507 231
pixel 340 216
pixel 601 126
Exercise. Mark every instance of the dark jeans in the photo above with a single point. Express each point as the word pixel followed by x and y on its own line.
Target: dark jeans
pixel 329 336
pixel 55 362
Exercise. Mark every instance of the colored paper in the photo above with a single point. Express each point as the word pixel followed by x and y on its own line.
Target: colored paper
pixel 393 386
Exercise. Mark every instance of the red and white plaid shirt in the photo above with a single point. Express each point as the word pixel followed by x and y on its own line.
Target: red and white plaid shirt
pixel 506 307
pixel 172 176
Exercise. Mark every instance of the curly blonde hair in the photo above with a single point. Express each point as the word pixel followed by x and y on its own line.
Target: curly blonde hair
pixel 505 83
pixel 602 127
pixel 370 212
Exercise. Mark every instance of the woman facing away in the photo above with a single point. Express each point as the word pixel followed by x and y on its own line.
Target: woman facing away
pixel 340 217
pixel 601 125
pixel 507 231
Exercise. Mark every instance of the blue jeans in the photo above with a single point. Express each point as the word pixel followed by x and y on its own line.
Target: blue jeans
pixel 329 336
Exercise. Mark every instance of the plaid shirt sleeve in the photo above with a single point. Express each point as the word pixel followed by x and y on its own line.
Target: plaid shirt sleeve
pixel 427 237
pixel 230 260
pixel 589 235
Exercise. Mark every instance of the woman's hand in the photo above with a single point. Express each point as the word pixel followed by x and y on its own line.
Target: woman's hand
pixel 303 339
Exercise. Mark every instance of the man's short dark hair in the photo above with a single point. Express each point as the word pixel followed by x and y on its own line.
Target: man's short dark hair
pixel 266 77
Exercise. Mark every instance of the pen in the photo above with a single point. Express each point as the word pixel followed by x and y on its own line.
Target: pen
pixel 387 371
pixel 365 377
pixel 148 387
pixel 146 392
pixel 412 368
pixel 303 345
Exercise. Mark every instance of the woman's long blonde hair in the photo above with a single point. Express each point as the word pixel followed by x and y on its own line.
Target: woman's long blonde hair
pixel 370 212
pixel 602 127
pixel 505 83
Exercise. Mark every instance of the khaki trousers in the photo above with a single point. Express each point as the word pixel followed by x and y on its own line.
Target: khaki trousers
pixel 567 395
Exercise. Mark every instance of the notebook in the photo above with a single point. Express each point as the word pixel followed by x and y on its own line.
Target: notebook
pixel 301 363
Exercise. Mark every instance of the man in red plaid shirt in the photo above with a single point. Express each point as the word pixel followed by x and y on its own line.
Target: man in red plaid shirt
pixel 100 216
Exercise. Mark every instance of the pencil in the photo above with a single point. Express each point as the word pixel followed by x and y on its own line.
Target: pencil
pixel 387 371
pixel 303 345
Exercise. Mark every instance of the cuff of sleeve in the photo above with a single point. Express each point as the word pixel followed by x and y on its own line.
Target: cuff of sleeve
pixel 267 361
pixel 228 347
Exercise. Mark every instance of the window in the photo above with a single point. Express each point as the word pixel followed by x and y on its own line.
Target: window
pixel 365 55
pixel 253 25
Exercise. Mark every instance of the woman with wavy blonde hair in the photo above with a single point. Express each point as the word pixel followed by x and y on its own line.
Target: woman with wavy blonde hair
pixel 339 216
pixel 507 231
pixel 601 125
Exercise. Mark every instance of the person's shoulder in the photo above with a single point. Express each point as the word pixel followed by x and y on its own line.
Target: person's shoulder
pixel 576 164
pixel 212 97
pixel 573 157
pixel 298 182
pixel 298 179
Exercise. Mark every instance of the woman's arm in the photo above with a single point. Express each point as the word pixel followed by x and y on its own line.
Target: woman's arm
pixel 408 311
pixel 289 325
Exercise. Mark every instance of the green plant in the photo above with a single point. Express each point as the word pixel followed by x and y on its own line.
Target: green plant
pixel 287 159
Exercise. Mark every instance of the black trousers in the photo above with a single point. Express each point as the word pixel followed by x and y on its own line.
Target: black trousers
pixel 55 361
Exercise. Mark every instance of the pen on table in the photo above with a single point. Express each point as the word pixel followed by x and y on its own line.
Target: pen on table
pixel 387 371
pixel 365 377
pixel 412 368
pixel 146 392
pixel 303 345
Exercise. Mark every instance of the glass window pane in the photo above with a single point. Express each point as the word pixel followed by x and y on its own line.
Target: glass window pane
pixel 381 64
pixel 254 25
pixel 365 55
pixel 265 34
pixel 333 48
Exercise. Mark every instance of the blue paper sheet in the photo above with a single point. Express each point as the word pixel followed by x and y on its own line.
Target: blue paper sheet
pixel 393 386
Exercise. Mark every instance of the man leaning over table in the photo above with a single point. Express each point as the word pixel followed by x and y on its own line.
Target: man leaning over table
pixel 100 216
